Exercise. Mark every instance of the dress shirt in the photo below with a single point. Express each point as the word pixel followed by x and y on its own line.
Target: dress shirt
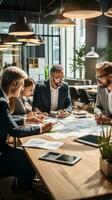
pixel 110 102
pixel 54 98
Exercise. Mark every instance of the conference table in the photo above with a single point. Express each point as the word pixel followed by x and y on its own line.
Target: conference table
pixel 82 180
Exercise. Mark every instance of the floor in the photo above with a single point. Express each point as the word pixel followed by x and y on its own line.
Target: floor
pixel 7 194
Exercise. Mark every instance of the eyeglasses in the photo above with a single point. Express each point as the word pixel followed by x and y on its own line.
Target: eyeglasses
pixel 99 78
pixel 58 78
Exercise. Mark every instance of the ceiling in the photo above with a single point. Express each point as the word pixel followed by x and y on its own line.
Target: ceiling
pixel 10 10
pixel 32 9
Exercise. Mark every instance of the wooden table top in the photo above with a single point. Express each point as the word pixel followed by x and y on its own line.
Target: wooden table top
pixel 80 181
pixel 92 91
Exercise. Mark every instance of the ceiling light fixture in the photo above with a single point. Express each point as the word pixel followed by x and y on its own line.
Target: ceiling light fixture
pixel 92 54
pixel 108 13
pixel 62 21
pixel 21 27
pixel 35 39
pixel 11 40
pixel 82 9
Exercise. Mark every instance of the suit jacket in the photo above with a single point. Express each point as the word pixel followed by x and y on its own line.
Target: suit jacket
pixel 9 126
pixel 42 97
pixel 102 102
pixel 22 106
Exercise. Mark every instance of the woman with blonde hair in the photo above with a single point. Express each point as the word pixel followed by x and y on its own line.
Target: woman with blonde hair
pixel 23 105
pixel 13 162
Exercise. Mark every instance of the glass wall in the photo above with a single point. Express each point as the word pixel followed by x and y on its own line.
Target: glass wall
pixel 58 46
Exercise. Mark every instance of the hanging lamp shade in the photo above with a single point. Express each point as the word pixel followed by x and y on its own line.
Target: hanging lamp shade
pixel 108 13
pixel 2 45
pixel 62 21
pixel 11 40
pixel 82 9
pixel 92 54
pixel 4 48
pixel 21 27
pixel 30 39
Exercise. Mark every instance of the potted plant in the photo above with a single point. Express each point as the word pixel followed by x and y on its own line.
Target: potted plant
pixel 105 146
pixel 78 59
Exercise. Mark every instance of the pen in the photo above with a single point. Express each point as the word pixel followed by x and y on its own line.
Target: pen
pixel 62 123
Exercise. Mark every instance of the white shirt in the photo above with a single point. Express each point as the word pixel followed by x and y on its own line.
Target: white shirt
pixel 54 98
pixel 110 102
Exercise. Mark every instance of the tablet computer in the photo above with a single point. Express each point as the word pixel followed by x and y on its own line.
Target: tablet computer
pixel 60 158
pixel 92 140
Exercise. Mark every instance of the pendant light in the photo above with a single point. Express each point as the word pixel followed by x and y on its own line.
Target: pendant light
pixel 62 21
pixel 92 54
pixel 81 9
pixel 2 45
pixel 35 39
pixel 109 12
pixel 29 39
pixel 11 40
pixel 21 27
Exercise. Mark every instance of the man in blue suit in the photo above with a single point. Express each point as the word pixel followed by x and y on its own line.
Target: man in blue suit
pixel 53 95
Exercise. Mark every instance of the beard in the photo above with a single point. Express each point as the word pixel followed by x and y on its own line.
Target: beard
pixel 58 85
pixel 104 85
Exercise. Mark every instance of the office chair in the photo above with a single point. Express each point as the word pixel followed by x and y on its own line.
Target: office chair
pixel 87 101
pixel 74 95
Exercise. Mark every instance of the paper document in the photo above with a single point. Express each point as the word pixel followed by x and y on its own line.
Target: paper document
pixel 59 135
pixel 42 143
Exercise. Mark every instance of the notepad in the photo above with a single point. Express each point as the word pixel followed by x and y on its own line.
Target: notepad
pixel 42 143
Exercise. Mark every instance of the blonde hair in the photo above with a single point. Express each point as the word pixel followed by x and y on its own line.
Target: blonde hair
pixel 12 101
pixel 11 74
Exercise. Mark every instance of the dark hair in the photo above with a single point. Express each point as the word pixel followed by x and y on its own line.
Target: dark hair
pixel 104 67
pixel 56 68
pixel 108 69
pixel 29 82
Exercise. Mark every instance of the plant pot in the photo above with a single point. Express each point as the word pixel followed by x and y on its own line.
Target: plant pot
pixel 106 168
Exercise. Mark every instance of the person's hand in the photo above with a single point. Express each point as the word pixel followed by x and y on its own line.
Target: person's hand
pixel 45 114
pixel 46 127
pixel 34 120
pixel 103 119
pixel 31 114
pixel 63 113
pixel 40 116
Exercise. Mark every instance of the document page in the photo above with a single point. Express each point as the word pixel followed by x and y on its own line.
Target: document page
pixel 42 143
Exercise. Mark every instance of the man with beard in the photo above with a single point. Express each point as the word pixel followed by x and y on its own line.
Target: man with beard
pixel 103 108
pixel 53 96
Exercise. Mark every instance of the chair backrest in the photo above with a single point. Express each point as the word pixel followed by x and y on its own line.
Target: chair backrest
pixel 74 94
pixel 83 96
